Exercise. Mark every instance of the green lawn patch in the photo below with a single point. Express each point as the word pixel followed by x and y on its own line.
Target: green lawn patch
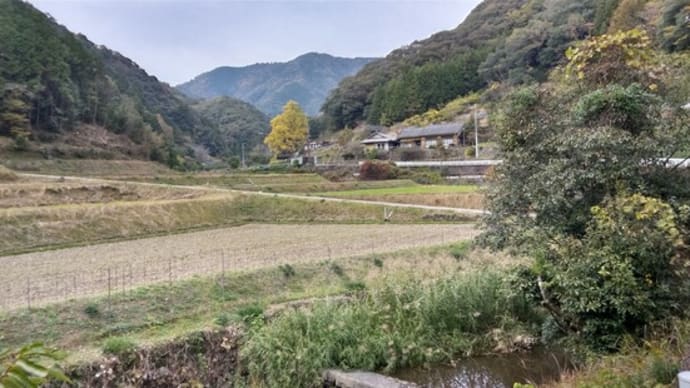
pixel 413 189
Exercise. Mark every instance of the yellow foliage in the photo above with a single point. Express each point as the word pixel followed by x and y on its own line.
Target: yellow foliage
pixel 289 130
pixel 611 57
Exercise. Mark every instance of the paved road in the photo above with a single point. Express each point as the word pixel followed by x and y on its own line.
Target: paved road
pixel 471 212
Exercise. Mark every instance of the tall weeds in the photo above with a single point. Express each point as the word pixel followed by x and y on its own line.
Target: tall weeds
pixel 396 326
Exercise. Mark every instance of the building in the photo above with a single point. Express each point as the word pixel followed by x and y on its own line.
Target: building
pixel 433 136
pixel 381 141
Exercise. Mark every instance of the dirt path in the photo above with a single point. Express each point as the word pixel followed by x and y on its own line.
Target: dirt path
pixel 37 278
pixel 472 212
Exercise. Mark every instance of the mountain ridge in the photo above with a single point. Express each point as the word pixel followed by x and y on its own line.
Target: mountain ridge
pixel 269 85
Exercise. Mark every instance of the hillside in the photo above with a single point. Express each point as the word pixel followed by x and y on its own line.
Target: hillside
pixel 268 86
pixel 237 121
pixel 512 41
pixel 63 95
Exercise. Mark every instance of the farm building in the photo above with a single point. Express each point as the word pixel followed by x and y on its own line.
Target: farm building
pixel 432 136
pixel 381 141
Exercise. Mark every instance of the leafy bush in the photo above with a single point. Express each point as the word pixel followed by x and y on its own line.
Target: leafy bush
pixel 459 251
pixel 250 312
pixel 393 327
pixel 375 170
pixel 378 262
pixel 118 346
pixel 92 310
pixel 621 275
pixel 337 269
pixel 630 108
pixel 222 320
pixel 287 270
pixel 355 286
pixel 31 366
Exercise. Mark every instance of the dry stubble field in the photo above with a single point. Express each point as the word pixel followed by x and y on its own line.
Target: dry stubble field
pixel 43 277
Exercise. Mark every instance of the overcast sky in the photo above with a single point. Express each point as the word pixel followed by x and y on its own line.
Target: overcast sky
pixel 176 40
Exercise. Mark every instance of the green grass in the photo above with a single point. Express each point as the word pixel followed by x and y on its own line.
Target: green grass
pixel 398 325
pixel 160 312
pixel 414 189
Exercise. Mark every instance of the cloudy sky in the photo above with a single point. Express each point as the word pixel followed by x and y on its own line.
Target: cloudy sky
pixel 176 40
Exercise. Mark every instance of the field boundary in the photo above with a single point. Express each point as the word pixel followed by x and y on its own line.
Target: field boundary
pixel 463 211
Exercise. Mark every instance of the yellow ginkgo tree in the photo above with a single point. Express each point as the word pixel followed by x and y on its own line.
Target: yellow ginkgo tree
pixel 289 130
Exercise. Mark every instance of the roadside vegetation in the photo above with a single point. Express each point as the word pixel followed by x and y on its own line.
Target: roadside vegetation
pixel 396 325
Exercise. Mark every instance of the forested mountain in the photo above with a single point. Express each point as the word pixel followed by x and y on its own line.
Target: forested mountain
pixel 238 122
pixel 54 83
pixel 508 41
pixel 306 79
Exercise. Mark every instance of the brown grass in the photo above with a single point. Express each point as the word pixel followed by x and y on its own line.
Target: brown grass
pixel 7 175
pixel 62 193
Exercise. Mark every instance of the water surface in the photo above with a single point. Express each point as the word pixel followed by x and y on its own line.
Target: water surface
pixel 537 367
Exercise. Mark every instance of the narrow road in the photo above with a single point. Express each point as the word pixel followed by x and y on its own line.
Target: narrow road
pixel 470 212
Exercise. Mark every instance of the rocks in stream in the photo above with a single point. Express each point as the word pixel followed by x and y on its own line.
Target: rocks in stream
pixel 509 343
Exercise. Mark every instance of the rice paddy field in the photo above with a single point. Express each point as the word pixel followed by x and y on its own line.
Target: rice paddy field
pixel 153 254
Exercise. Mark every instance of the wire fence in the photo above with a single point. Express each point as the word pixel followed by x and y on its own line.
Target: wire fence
pixel 46 284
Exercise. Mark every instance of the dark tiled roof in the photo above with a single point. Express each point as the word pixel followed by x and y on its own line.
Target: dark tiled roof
pixel 431 130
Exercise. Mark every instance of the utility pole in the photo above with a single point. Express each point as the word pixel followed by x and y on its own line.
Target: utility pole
pixel 476 134
pixel 244 165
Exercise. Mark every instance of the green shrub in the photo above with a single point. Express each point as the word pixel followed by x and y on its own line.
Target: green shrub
pixel 616 279
pixel 337 269
pixel 378 262
pixel 287 270
pixel 92 310
pixel 118 346
pixel 663 371
pixel 355 286
pixel 250 312
pixel 459 251
pixel 399 325
pixel 222 320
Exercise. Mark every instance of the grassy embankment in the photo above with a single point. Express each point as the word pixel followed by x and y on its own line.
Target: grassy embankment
pixel 61 224
pixel 87 167
pixel 459 196
pixel 159 313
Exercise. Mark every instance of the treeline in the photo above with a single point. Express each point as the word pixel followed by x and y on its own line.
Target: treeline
pixel 512 42
pixel 53 81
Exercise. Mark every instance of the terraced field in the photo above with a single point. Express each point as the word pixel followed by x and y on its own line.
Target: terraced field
pixel 38 278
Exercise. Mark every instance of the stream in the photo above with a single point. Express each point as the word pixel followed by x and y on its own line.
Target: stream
pixel 502 371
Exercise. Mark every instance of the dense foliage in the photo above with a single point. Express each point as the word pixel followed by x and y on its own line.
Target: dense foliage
pixel 29 367
pixel 584 188
pixel 515 41
pixel 401 324
pixel 674 29
pixel 289 130
pixel 237 121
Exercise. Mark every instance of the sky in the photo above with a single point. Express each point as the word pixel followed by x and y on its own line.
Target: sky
pixel 176 40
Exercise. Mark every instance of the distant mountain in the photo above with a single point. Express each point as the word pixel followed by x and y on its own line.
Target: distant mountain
pixel 306 79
